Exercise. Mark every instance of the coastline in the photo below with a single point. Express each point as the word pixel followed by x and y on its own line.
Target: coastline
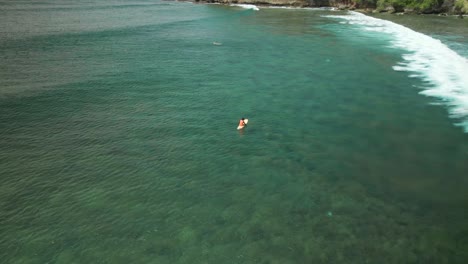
pixel 340 5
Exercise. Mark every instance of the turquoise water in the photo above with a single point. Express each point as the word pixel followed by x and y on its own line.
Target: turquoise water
pixel 119 144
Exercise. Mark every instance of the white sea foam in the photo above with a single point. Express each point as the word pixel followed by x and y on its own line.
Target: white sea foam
pixel 444 71
pixel 253 7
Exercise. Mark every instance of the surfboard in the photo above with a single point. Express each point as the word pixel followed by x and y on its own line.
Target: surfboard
pixel 245 121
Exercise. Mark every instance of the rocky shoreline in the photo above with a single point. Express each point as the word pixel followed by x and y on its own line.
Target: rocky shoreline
pixel 448 7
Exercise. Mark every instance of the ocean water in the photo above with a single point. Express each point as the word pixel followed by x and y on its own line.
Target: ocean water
pixel 118 140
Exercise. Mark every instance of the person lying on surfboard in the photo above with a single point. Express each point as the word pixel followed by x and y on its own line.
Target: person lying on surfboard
pixel 242 123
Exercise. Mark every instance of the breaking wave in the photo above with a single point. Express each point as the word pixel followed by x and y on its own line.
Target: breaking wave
pixel 444 70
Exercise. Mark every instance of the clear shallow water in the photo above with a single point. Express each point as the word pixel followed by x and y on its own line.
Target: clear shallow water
pixel 118 140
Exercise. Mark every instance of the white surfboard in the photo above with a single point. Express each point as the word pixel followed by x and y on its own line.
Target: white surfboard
pixel 245 121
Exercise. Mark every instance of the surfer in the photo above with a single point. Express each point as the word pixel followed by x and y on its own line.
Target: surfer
pixel 242 123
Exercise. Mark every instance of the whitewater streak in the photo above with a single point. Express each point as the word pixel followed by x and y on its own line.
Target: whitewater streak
pixel 445 71
pixel 246 6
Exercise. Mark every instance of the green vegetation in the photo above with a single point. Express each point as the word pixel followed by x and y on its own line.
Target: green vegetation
pixel 417 6
pixel 462 5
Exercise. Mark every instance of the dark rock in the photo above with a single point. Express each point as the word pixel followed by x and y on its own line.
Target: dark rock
pixel 447 6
